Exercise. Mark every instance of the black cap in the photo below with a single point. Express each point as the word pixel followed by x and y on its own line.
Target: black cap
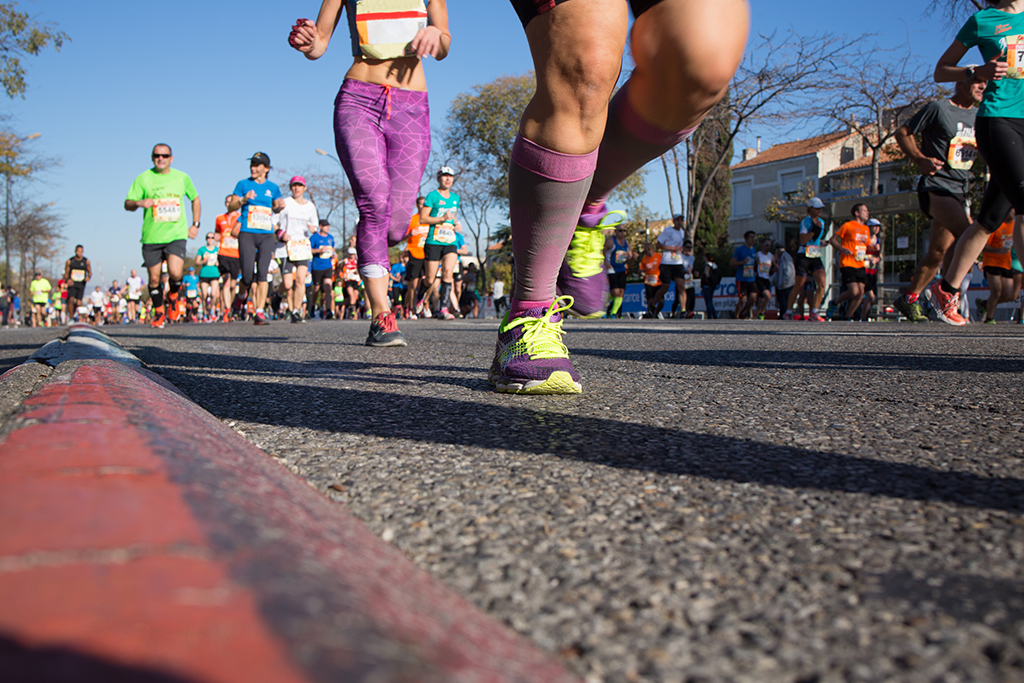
pixel 324 221
pixel 260 158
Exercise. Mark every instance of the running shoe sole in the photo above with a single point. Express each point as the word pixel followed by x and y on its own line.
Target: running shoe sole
pixel 938 309
pixel 558 382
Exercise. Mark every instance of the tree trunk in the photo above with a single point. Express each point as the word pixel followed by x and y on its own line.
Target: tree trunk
pixel 668 183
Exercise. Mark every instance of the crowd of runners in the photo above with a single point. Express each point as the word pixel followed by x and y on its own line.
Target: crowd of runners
pixel 575 143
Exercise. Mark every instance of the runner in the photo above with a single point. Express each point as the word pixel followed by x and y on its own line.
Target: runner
pixel 947 152
pixel 808 260
pixel 228 262
pixel 348 273
pixel 762 277
pixel 469 304
pixel 670 241
pixel 77 271
pixel 784 277
pixel 40 289
pixel 297 222
pixel 1000 135
pixel 743 259
pixel 398 271
pixel 997 264
pixel 415 238
pixel 133 285
pixel 686 304
pixel 617 255
pixel 712 278
pixel 322 249
pixel 97 301
pixel 874 257
pixel 439 212
pixel 191 284
pixel 160 191
pixel 258 200
pixel 381 128
pixel 650 267
pixel 851 240
pixel 114 301
pixel 209 276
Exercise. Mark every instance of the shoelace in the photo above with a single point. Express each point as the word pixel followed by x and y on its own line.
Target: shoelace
pixel 542 337
pixel 387 322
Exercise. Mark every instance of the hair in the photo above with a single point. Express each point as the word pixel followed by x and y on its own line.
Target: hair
pixel 163 144
pixel 229 196
pixel 856 208
pixel 748 233
pixel 420 199
pixel 79 246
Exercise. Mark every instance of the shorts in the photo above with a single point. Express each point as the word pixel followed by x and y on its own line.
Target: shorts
pixel 746 288
pixel 288 267
pixel 528 9
pixel 851 275
pixel 153 254
pixel 650 292
pixel 229 266
pixel 415 268
pixel 671 271
pixel 617 280
pixel 322 277
pixel 806 266
pixel 872 283
pixel 457 276
pixel 208 280
pixel 435 252
pixel 76 291
pixel 763 285
pixel 1001 272
pixel 925 201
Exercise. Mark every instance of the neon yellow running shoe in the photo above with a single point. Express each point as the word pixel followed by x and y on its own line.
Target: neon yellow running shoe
pixel 529 356
pixel 582 273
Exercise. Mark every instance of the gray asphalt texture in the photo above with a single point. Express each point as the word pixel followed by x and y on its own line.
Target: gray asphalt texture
pixel 727 501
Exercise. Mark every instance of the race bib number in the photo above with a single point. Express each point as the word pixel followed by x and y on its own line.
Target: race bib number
pixel 963 151
pixel 688 278
pixel 78 275
pixel 859 253
pixel 326 251
pixel 748 272
pixel 191 293
pixel 229 242
pixel 812 251
pixel 620 257
pixel 211 259
pixel 1008 243
pixel 672 258
pixel 386 29
pixel 1015 56
pixel 651 280
pixel 167 210
pixel 299 250
pixel 444 235
pixel 260 218
pixel 764 270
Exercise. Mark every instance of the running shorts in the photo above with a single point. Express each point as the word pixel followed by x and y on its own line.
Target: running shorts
pixel 650 292
pixel 926 202
pixel 76 291
pixel 322 277
pixel 763 285
pixel 229 266
pixel 287 267
pixel 850 275
pixel 806 266
pixel 415 268
pixel 746 288
pixel 528 9
pixel 1001 272
pixel 435 252
pixel 617 280
pixel 208 280
pixel 670 272
pixel 872 283
pixel 153 254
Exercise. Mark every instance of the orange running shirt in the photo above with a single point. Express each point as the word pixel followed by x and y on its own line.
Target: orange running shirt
pixel 855 237
pixel 650 266
pixel 226 222
pixel 415 236
pixel 1003 237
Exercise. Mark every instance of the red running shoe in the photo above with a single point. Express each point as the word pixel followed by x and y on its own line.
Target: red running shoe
pixel 947 306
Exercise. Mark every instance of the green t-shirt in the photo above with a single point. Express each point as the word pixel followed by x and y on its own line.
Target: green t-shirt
pixel 208 258
pixel 442 233
pixel 40 290
pixel 993 32
pixel 166 221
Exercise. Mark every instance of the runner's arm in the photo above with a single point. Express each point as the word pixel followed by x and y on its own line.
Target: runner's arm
pixel 927 165
pixel 132 204
pixel 434 40
pixel 88 269
pixel 947 71
pixel 312 38
pixel 197 210
pixel 837 243
pixel 235 203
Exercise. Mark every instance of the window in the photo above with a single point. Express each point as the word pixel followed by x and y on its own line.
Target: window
pixel 790 182
pixel 741 199
pixel 846 155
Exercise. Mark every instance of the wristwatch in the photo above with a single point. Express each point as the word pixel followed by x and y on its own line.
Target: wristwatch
pixel 195 224
pixel 970 73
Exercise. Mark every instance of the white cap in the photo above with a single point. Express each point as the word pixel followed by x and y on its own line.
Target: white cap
pixel 815 203
pixel 873 221
pixel 351 250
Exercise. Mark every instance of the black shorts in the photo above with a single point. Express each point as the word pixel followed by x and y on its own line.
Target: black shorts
pixel 1001 144
pixel 457 276
pixel 925 202
pixel 415 268
pixel 208 280
pixel 153 254
pixel 806 266
pixel 1001 272
pixel 872 283
pixel 617 280
pixel 288 267
pixel 746 288
pixel 229 266
pixel 850 275
pixel 76 290
pixel 763 285
pixel 397 295
pixel 528 9
pixel 322 277
pixel 435 252
pixel 671 272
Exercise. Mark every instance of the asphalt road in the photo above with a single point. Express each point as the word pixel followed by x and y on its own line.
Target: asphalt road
pixel 727 501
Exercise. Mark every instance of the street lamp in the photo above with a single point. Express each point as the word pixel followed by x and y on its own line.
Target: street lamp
pixel 344 210
pixel 7 213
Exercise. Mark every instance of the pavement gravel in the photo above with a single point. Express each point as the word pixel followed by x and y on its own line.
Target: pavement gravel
pixel 727 501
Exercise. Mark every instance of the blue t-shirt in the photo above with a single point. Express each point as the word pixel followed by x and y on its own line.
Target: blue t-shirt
pixel 261 209
pixel 191 283
pixel 617 255
pixel 746 272
pixel 318 241
pixel 807 227
pixel 398 270
pixel 442 233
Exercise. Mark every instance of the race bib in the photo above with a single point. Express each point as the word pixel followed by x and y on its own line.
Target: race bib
pixel 229 242
pixel 260 218
pixel 387 27
pixel 812 251
pixel 1008 243
pixel 859 253
pixel 191 293
pixel 299 250
pixel 651 280
pixel 748 272
pixel 1015 56
pixel 672 258
pixel 687 277
pixel 963 151
pixel 444 235
pixel 764 270
pixel 78 275
pixel 620 257
pixel 326 251
pixel 211 259
pixel 167 210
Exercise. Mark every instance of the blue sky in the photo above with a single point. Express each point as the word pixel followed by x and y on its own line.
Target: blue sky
pixel 218 82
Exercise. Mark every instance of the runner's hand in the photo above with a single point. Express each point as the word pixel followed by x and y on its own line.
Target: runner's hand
pixel 145 203
pixel 250 195
pixel 994 69
pixel 929 165
pixel 427 42
pixel 303 35
pixel 193 232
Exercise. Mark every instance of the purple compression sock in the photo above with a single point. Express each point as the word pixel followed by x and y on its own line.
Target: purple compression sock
pixel 546 190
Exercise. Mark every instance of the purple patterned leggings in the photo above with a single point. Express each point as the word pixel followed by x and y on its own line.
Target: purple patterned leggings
pixel 383 140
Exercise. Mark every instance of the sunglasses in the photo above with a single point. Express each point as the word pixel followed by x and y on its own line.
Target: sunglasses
pixel 161 156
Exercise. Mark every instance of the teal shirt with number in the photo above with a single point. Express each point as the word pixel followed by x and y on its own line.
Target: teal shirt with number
pixel 994 32
pixel 442 233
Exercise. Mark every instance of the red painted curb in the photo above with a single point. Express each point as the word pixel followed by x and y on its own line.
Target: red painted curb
pixel 144 540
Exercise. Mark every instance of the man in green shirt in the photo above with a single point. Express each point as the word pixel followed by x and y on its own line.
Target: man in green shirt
pixel 40 288
pixel 160 192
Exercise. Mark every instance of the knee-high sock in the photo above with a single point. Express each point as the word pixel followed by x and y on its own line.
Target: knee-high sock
pixel 157 295
pixel 546 190
pixel 444 295
pixel 173 287
pixel 629 142
pixel 616 304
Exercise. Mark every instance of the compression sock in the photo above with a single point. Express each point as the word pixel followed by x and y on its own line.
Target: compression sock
pixel 157 295
pixel 947 288
pixel 444 299
pixel 616 304
pixel 546 191
pixel 517 308
pixel 173 287
pixel 629 142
